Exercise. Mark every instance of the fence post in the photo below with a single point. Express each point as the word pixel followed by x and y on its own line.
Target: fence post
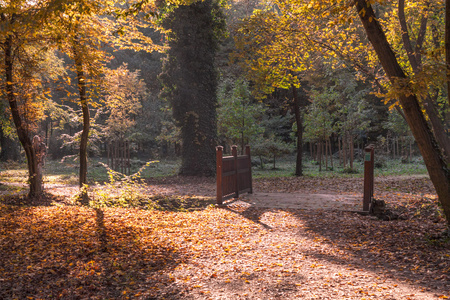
pixel 368 176
pixel 234 153
pixel 219 154
pixel 247 152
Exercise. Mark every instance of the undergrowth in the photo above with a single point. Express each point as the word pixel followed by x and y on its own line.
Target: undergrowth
pixel 131 192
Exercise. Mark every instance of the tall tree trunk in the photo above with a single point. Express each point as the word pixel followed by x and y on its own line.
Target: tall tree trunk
pixel 437 168
pixel 189 82
pixel 36 188
pixel 81 81
pixel 298 104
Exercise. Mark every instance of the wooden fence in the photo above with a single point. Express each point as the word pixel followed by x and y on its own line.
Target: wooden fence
pixel 119 156
pixel 234 174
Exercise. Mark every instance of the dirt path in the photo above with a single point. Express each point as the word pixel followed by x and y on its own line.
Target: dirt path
pixel 298 200
pixel 343 194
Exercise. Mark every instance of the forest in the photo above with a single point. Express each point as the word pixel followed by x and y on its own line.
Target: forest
pixel 111 112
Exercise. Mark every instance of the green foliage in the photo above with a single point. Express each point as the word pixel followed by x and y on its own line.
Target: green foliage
pixel 270 147
pixel 318 119
pixel 122 190
pixel 238 117
pixel 397 124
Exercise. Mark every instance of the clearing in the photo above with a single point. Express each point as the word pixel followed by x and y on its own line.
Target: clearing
pixel 243 250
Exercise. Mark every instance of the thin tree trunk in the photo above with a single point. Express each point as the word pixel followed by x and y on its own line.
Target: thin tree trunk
pixel 437 168
pixel 298 104
pixel 397 144
pixel 319 154
pixel 393 147
pixel 331 153
pixel 36 188
pixel 344 150
pixel 352 151
pixel 81 80
pixel 314 149
pixel 387 144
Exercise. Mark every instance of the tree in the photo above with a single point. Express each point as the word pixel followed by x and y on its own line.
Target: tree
pixel 190 81
pixel 124 94
pixel 329 28
pixel 21 39
pixel 418 61
pixel 437 168
pixel 318 121
pixel 268 54
pixel 239 119
pixel 83 29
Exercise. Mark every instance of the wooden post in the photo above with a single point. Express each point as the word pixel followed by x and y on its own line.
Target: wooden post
pixel 368 177
pixel 234 154
pixel 219 154
pixel 247 152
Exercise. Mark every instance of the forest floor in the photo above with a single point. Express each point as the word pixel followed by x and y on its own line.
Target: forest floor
pixel 191 249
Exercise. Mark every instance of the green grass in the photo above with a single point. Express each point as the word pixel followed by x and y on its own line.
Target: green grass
pixel 67 172
pixel 285 167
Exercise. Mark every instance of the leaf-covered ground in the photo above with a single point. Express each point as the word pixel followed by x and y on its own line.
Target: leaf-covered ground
pixel 53 250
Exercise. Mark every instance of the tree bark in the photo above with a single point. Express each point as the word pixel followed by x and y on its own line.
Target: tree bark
pixel 189 80
pixel 447 45
pixel 437 168
pixel 36 188
pixel 299 121
pixel 81 81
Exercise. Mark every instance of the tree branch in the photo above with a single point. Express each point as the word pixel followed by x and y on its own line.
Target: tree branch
pixel 421 36
pixel 405 36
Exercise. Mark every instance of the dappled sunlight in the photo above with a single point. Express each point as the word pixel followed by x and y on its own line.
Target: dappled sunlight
pixel 185 246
